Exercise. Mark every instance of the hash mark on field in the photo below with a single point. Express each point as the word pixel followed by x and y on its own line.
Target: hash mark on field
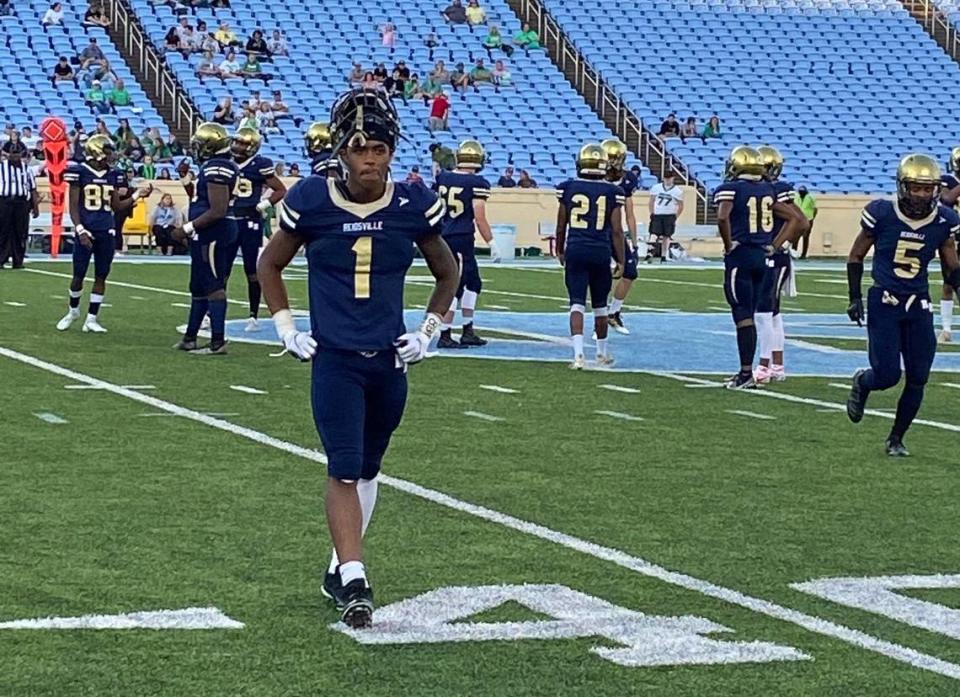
pixel 206 413
pixel 495 307
pixel 188 618
pixel 497 388
pixel 839 385
pixel 50 418
pixel 951 384
pixel 704 385
pixel 618 415
pixel 180 305
pixel 14 303
pixel 126 387
pixel 752 414
pixel 137 297
pixel 247 390
pixel 619 388
pixel 481 415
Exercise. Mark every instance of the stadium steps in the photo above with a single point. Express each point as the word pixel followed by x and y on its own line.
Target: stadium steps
pixel 937 24
pixel 706 211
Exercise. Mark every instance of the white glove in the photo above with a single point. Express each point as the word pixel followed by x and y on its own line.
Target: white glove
pixel 494 252
pixel 263 205
pixel 297 343
pixel 412 346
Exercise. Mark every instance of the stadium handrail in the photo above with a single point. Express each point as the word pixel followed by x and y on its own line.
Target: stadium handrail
pixel 629 127
pixel 159 80
pixel 935 21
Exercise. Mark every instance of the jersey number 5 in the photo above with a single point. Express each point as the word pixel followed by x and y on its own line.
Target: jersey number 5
pixel 581 209
pixel 363 249
pixel 906 260
pixel 761 214
pixel 451 195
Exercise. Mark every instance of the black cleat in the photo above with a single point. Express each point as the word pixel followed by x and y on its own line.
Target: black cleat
pixel 357 609
pixel 741 381
pixel 468 338
pixel 857 400
pixel 896 448
pixel 332 588
pixel 447 342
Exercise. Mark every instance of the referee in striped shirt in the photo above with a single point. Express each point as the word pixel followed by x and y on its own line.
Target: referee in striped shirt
pixel 18 196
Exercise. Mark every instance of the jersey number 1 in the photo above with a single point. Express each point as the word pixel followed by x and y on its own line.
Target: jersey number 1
pixel 363 249
pixel 761 214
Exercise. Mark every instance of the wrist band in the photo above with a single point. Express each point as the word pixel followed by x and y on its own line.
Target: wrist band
pixel 283 321
pixel 430 325
pixel 188 228
pixel 81 230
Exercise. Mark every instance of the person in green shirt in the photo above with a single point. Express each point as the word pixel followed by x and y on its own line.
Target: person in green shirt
pixel 493 40
pixel 527 38
pixel 148 170
pixel 430 88
pixel 443 158
pixel 480 72
pixel 119 96
pixel 249 120
pixel 251 68
pixel 712 129
pixel 97 98
pixel 411 88
pixel 808 206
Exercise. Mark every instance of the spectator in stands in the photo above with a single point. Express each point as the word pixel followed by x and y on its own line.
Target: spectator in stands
pixel 440 73
pixel 527 38
pixel 414 175
pixel 431 42
pixel 638 173
pixel 493 40
pixel 161 151
pixel 281 110
pixel 439 112
pixel 277 45
pixel 185 175
pixel 526 181
pixel 370 82
pixel 254 99
pixel 256 44
pixel 53 15
pixel 689 129
pixel 456 13
pixel 280 169
pixel 223 114
pixel 388 35
pixel 14 145
pixel 176 147
pixel 183 29
pixel 251 68
pixel 207 67
pixel 62 71
pixel 443 158
pixel 670 128
pixel 500 75
pixel 124 134
pixel 249 119
pixel 475 13
pixel 92 55
pixel 355 76
pixel 102 130
pixel 163 219
pixel 265 121
pixel 401 73
pixel 164 174
pixel 31 141
pixel 460 79
pixel 808 206
pixel 95 16
pixel 201 29
pixel 219 3
pixel 229 68
pixel 134 151
pixel 381 74
pixel 411 88
pixel 295 170
pixel 225 36
pixel 480 73
pixel 6 9
pixel 430 88
pixel 209 43
pixel 187 41
pixel 147 170
pixel 506 179
pixel 97 99
pixel 120 95
pixel 712 129
pixel 98 71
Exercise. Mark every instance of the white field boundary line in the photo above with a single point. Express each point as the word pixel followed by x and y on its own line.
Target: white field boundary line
pixel 817 625
pixel 836 406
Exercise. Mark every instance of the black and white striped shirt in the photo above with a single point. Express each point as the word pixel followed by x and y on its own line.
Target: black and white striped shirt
pixel 16 181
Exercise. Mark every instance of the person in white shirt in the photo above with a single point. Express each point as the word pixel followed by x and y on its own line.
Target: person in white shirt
pixel 229 66
pixel 666 203
pixel 54 15
pixel 276 44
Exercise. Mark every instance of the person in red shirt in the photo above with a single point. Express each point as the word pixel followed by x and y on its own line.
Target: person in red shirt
pixel 439 111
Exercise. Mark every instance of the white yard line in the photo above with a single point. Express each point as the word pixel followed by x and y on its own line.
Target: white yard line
pixel 498 388
pixel 817 625
pixel 247 390
pixel 188 618
pixel 484 417
pixel 752 414
pixel 951 384
pixel 619 388
pixel 126 387
pixel 50 418
pixel 618 415
pixel 14 303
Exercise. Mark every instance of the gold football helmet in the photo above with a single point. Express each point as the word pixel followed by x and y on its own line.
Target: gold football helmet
pixel 921 170
pixel 246 143
pixel 210 139
pixel 592 160
pixel 772 162
pixel 317 138
pixel 616 153
pixel 471 155
pixel 955 160
pixel 743 162
pixel 99 149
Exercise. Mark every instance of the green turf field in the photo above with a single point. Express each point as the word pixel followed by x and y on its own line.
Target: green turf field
pixel 181 491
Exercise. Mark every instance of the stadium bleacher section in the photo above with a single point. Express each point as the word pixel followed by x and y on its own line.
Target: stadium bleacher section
pixel 29 53
pixel 537 123
pixel 830 82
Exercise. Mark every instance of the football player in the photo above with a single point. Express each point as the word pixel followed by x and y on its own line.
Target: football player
pixel 626 180
pixel 779 267
pixel 747 209
pixel 465 193
pixel 905 235
pixel 590 206
pixel 320 151
pixel 359 235
pixel 949 196
pixel 256 172
pixel 213 234
pixel 94 198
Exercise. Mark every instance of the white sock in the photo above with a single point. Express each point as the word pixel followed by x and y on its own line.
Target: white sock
pixel 601 347
pixel 615 306
pixel 334 563
pixel 444 327
pixel 577 345
pixel 351 571
pixel 946 314
pixel 367 493
pixel 764 322
pixel 779 337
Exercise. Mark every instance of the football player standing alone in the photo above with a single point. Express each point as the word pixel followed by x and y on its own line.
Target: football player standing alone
pixel 359 235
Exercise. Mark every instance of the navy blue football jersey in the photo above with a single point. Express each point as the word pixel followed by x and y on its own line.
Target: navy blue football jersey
pixel 904 247
pixel 784 194
pixel 357 257
pixel 96 213
pixel 216 170
pixel 253 173
pixel 590 204
pixel 628 182
pixel 458 191
pixel 752 221
pixel 325 165
pixel 949 181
